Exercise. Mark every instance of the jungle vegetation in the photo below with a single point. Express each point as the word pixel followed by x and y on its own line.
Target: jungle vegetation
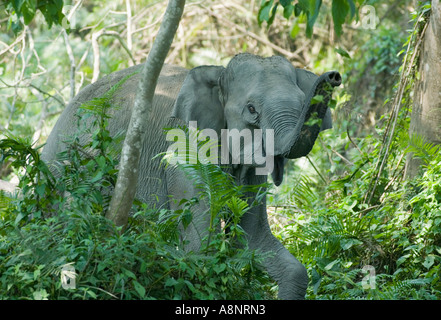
pixel 362 211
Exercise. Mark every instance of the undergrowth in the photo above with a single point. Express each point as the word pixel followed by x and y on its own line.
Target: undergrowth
pixel 390 249
pixel 55 242
pixel 373 233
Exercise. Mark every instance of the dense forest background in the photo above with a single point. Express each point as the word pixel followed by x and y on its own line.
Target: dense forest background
pixel 351 211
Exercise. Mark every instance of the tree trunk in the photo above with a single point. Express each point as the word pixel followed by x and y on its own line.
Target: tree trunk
pixel 426 111
pixel 125 188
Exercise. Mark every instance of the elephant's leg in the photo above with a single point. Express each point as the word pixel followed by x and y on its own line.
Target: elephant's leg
pixel 180 187
pixel 281 265
pixel 289 273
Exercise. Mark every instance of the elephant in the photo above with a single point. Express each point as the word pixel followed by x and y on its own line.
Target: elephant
pixel 251 92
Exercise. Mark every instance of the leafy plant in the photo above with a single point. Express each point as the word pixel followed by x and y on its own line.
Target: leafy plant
pixel 422 149
pixel 37 181
pixel 342 11
pixel 26 10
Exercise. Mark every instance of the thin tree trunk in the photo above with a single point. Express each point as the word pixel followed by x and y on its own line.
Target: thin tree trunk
pixel 129 24
pixel 426 111
pixel 125 188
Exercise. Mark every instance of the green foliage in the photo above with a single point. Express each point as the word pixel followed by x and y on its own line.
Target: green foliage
pixel 137 264
pixel 343 11
pixel 340 11
pixel 37 181
pixel 422 149
pixel 224 199
pixel 23 11
pixel 219 270
pixel 372 72
pixel 397 237
pixel 370 233
pixel 46 231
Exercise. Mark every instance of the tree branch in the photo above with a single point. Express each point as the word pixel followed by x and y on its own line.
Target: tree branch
pixel 129 25
pixel 9 48
pixel 96 50
pixel 288 54
pixel 72 64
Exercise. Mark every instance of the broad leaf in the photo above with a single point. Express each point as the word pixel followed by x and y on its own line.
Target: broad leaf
pixel 340 10
pixel 264 12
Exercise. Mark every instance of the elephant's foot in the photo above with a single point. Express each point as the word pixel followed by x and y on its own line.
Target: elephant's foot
pixel 289 273
pixel 294 283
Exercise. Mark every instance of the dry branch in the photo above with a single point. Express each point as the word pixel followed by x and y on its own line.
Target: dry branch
pixel 72 64
pixel 96 50
pixel 9 47
pixel 289 55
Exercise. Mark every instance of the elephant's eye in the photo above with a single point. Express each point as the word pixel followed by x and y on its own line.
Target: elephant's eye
pixel 251 108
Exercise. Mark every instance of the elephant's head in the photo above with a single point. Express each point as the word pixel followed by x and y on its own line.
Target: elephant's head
pixel 260 93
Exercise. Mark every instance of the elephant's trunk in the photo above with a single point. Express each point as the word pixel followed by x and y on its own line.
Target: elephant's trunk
pixel 308 127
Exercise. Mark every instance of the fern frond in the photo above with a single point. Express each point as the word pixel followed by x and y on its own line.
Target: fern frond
pixel 303 193
pixel 400 289
pixel 421 148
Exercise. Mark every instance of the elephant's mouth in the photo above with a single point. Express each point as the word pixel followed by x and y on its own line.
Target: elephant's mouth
pixel 277 174
pixel 307 128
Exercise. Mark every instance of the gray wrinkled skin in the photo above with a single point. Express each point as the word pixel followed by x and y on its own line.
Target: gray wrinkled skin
pixel 219 98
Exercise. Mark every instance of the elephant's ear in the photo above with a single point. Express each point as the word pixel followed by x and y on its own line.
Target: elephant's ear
pixel 198 99
pixel 305 81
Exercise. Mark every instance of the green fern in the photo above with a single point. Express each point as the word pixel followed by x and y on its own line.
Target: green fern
pixel 303 193
pixel 422 149
pixel 405 289
pixel 224 199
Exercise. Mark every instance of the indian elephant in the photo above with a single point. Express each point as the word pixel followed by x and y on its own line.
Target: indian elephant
pixel 251 92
